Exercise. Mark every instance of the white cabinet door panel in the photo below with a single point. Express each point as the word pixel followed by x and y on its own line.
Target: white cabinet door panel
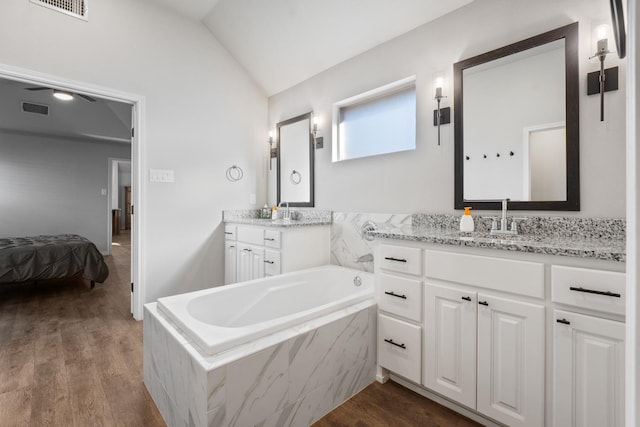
pixel 511 361
pixel 230 262
pixel 450 343
pixel 588 360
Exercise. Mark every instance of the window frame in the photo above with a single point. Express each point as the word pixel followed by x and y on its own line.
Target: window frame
pixel 379 92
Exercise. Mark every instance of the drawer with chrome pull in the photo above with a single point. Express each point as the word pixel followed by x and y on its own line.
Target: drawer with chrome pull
pixel 401 259
pixel 400 296
pixel 586 288
pixel 399 347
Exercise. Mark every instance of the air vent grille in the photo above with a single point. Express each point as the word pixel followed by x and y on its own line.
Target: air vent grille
pixel 30 107
pixel 77 8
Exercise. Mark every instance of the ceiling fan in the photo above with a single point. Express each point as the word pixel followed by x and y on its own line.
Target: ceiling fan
pixel 62 94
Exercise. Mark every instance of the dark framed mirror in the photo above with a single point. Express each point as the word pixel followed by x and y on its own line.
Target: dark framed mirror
pixel 617 19
pixel 516 125
pixel 295 161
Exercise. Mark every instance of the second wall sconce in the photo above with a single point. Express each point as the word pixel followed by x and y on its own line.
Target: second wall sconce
pixel 273 152
pixel 599 82
pixel 318 141
pixel 441 116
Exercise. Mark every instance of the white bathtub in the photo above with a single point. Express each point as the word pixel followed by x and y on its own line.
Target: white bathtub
pixel 218 319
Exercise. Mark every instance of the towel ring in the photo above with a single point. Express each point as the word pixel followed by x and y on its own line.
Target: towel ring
pixel 295 177
pixel 234 173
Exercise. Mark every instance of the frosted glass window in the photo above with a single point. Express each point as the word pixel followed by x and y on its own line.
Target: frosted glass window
pixel 376 123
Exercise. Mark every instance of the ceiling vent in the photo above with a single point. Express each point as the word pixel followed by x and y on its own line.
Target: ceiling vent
pixel 30 107
pixel 77 8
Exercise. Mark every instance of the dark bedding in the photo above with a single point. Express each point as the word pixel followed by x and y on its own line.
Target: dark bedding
pixel 26 259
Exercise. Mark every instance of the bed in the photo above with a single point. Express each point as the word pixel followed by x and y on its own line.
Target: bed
pixel 31 259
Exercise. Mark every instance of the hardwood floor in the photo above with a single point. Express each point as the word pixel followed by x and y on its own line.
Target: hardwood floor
pixel 71 356
pixel 389 404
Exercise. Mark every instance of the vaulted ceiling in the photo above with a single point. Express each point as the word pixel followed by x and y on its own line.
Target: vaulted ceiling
pixel 284 42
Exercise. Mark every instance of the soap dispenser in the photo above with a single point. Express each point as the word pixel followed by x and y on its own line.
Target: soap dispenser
pixel 466 222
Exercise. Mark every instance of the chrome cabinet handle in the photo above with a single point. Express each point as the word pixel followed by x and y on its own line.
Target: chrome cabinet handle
pixel 390 341
pixel 593 291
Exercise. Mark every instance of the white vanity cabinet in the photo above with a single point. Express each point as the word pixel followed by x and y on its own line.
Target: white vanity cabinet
pixel 588 347
pixel 485 350
pixel 267 251
pixel 516 338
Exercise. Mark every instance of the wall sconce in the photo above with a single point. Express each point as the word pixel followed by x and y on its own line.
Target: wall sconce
pixel 599 82
pixel 441 116
pixel 318 141
pixel 273 152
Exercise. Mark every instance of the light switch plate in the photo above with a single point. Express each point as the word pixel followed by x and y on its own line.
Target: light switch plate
pixel 160 175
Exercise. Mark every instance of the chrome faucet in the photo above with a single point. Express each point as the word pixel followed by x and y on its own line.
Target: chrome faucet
pixel 504 223
pixel 286 212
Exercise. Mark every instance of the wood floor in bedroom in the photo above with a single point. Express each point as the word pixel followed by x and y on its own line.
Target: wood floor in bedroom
pixel 71 356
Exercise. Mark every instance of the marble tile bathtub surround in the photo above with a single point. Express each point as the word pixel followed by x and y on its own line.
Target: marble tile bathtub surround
pixel 290 383
pixel 347 243
pixel 588 228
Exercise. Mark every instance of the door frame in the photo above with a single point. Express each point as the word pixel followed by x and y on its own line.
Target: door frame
pixel 137 159
pixel 111 161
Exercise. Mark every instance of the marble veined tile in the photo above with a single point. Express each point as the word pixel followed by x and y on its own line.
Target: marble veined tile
pixel 304 412
pixel 347 244
pixel 216 387
pixel 257 385
pixel 320 355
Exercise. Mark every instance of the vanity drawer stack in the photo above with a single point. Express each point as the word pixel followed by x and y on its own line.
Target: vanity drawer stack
pixel 400 316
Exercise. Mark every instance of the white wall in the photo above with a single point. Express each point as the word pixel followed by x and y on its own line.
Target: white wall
pixel 52 185
pixel 423 180
pixel 203 114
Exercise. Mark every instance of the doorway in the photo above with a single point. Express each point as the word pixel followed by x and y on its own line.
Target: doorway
pixel 136 107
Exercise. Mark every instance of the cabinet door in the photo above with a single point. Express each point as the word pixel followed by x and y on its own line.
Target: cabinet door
pixel 511 361
pixel 450 343
pixel 245 258
pixel 257 263
pixel 271 262
pixel 230 262
pixel 588 371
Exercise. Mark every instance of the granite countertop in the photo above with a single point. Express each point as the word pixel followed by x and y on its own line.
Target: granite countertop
pixel 304 222
pixel 303 218
pixel 612 249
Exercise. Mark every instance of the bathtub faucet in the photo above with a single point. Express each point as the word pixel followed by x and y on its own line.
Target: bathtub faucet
pixel 287 215
pixel 365 258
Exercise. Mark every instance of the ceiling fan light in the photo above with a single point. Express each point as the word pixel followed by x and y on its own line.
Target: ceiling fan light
pixel 62 95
